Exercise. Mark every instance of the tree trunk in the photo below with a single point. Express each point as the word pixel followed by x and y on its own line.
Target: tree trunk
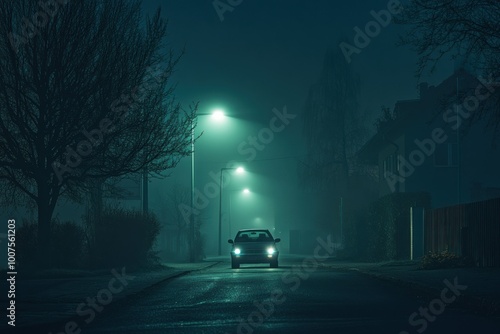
pixel 94 214
pixel 44 226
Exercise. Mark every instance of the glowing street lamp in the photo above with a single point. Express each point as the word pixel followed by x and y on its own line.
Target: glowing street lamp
pixel 218 115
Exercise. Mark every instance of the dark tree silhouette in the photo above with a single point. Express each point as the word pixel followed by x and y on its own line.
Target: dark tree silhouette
pixel 466 30
pixel 84 95
pixel 468 27
pixel 386 117
pixel 333 128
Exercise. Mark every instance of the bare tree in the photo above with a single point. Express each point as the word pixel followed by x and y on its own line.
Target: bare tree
pixel 84 95
pixel 334 130
pixel 466 30
pixel 438 28
pixel 333 127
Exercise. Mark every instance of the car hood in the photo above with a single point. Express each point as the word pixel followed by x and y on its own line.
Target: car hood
pixel 254 245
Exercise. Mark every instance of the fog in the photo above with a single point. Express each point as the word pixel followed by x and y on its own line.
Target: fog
pixel 227 166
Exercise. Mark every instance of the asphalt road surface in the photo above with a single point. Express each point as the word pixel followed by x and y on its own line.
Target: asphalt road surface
pixel 289 299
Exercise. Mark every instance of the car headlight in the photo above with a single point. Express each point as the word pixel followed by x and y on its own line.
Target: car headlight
pixel 237 251
pixel 271 250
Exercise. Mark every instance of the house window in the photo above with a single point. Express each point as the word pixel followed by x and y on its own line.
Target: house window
pixel 446 155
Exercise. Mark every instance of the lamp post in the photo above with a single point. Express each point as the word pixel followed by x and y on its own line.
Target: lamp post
pixel 239 170
pixel 192 229
pixel 218 115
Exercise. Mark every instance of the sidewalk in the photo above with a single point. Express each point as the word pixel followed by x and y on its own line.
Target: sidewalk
pixel 47 301
pixel 481 295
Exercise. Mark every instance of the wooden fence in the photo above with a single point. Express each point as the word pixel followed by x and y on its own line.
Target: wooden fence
pixel 471 230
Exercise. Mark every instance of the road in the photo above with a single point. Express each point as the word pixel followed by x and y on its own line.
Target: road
pixel 258 299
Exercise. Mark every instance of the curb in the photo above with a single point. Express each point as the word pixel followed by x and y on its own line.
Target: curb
pixel 154 285
pixel 49 326
pixel 475 304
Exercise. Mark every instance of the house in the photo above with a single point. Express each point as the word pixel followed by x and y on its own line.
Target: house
pixel 439 144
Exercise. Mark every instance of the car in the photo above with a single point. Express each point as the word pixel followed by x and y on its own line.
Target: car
pixel 254 246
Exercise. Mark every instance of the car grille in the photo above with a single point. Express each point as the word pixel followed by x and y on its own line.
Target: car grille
pixel 254 251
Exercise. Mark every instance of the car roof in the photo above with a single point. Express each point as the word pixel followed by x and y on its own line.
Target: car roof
pixel 254 229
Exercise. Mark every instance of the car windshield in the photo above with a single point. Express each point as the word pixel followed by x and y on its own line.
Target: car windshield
pixel 250 236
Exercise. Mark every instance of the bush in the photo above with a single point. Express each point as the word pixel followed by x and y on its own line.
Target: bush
pixel 444 259
pixel 124 238
pixel 67 244
pixel 27 244
pixel 388 227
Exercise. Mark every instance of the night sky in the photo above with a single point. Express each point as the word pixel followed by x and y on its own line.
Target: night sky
pixel 268 53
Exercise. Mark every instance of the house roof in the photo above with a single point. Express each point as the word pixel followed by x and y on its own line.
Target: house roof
pixel 406 112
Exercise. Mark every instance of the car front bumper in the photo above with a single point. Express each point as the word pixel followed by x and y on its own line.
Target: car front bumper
pixel 255 258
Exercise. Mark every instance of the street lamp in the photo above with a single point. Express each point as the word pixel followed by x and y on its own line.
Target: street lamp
pixel 218 115
pixel 192 229
pixel 238 170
